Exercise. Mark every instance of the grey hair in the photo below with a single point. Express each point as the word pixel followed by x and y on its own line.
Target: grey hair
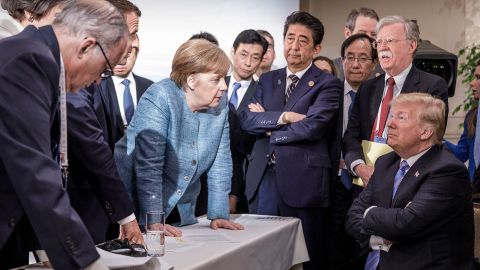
pixel 95 18
pixel 412 32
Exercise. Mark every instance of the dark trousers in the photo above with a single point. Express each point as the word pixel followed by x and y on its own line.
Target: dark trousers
pixel 14 252
pixel 343 249
pixel 314 219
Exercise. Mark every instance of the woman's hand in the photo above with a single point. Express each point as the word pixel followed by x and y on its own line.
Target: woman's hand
pixel 226 224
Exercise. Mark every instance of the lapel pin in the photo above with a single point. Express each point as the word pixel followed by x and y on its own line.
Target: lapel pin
pixel 279 82
pixel 417 174
pixel 311 83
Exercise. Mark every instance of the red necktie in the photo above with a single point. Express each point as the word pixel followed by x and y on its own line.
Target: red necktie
pixel 385 108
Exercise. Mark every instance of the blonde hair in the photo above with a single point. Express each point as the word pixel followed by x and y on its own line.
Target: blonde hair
pixel 198 56
pixel 431 112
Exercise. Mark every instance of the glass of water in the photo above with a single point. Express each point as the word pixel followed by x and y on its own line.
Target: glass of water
pixel 155 233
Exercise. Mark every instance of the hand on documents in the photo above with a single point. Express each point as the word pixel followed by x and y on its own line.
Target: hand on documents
pixel 172 231
pixel 226 224
pixel 132 232
pixel 364 172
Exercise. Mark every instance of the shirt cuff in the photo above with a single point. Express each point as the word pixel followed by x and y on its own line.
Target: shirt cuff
pixel 355 163
pixel 42 255
pixel 280 119
pixel 126 220
pixel 368 209
pixel 378 243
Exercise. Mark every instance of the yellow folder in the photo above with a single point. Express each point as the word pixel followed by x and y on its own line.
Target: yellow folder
pixel 372 151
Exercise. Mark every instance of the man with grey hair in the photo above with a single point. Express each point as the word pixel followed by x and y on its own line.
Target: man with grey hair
pixel 416 213
pixel 359 21
pixel 397 40
pixel 37 68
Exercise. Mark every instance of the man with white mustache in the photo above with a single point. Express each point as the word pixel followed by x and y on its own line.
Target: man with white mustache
pixel 396 43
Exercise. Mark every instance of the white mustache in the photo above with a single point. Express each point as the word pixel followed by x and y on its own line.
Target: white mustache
pixel 384 54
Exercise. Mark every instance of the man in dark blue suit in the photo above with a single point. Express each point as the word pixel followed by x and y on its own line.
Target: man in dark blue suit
pixel 95 188
pixel 37 67
pixel 416 212
pixel 294 111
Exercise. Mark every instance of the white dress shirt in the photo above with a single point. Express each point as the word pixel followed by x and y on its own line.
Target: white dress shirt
pixel 120 88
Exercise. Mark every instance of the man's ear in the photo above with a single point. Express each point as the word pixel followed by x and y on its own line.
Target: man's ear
pixel 85 46
pixel 426 134
pixel 232 53
pixel 317 49
pixel 347 32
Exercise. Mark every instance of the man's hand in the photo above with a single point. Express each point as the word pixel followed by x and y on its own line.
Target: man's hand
pixel 132 232
pixel 292 117
pixel 256 107
pixel 226 224
pixel 365 172
pixel 232 201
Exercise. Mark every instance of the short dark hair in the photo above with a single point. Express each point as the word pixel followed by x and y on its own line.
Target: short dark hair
pixel 205 35
pixel 328 60
pixel 250 36
pixel 126 6
pixel 360 36
pixel 363 11
pixel 38 8
pixel 308 20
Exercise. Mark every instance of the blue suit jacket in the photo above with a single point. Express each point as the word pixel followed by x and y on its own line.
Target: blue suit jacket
pixel 304 150
pixel 30 179
pixel 463 150
pixel 168 147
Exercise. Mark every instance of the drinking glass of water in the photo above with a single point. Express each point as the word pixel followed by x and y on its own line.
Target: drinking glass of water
pixel 155 233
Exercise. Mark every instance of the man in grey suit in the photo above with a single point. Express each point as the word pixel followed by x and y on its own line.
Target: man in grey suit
pixel 37 67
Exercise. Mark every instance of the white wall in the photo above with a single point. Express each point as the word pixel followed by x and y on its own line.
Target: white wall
pixel 165 25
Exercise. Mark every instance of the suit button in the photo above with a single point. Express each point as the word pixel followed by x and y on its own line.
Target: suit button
pixel 187 178
pixel 12 222
pixel 194 162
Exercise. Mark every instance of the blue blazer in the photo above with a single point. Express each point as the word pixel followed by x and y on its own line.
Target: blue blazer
pixel 168 147
pixel 304 150
pixel 463 150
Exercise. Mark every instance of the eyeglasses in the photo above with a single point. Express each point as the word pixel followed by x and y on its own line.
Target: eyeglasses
pixel 377 43
pixel 108 72
pixel 361 60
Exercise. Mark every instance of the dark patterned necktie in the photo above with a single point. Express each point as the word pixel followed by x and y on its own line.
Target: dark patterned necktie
pixel 292 86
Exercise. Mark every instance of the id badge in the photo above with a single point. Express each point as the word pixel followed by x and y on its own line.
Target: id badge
pixel 379 139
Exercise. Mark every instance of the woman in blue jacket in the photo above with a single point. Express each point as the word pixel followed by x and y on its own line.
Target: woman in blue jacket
pixel 464 149
pixel 179 131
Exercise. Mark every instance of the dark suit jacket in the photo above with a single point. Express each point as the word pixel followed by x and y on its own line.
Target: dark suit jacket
pixel 303 150
pixel 30 178
pixel 105 99
pixel 241 143
pixel 367 102
pixel 92 168
pixel 435 230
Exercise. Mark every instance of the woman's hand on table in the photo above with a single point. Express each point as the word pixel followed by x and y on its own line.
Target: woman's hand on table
pixel 226 224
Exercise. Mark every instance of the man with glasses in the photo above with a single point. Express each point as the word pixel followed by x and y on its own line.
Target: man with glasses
pixel 95 188
pixel 267 61
pixel 359 60
pixel 37 68
pixel 396 42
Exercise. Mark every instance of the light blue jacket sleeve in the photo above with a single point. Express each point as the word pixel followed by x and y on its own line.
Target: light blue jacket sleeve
pixel 219 178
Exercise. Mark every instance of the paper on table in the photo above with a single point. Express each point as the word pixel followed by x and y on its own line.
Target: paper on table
pixel 372 151
pixel 116 261
pixel 178 244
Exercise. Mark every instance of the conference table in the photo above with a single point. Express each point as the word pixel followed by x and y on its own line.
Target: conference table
pixel 267 242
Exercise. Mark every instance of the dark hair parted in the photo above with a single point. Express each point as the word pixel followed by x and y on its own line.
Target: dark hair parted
pixel 347 42
pixel 250 36
pixel 198 56
pixel 205 35
pixel 328 60
pixel 307 20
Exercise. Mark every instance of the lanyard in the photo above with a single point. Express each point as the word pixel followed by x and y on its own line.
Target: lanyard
pixel 63 122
